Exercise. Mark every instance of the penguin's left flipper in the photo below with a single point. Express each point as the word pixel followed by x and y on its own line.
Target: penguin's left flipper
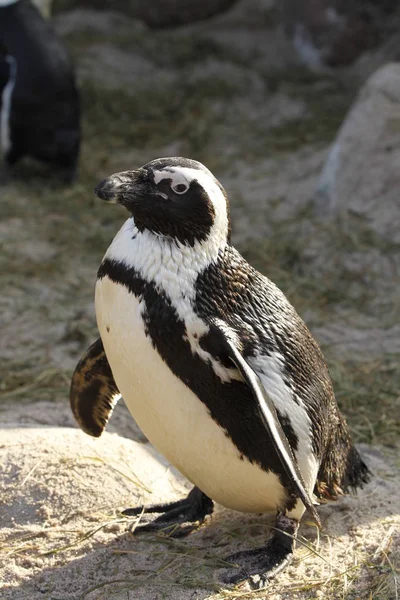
pixel 259 565
pixel 176 518
pixel 93 393
pixel 221 340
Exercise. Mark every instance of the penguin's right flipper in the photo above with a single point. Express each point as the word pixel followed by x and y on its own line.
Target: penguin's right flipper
pixel 93 393
pixel 176 518
pixel 220 339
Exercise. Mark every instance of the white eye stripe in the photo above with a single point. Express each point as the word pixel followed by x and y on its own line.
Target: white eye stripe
pixel 176 179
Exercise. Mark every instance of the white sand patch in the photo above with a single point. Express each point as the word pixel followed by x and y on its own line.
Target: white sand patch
pixel 61 535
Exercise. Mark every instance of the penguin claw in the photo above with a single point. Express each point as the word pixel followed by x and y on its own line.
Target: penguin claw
pixel 173 530
pixel 257 566
pixel 176 519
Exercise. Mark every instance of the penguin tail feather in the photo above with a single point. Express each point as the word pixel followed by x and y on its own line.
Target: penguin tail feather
pixel 342 468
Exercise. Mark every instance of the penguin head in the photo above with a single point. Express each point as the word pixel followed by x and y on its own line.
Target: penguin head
pixel 174 197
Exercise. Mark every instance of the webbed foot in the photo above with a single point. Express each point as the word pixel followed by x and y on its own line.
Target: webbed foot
pixel 176 518
pixel 259 565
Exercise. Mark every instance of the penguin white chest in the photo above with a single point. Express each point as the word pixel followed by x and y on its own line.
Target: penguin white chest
pixel 171 415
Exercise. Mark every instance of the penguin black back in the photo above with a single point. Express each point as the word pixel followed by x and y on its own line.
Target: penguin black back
pixel 40 109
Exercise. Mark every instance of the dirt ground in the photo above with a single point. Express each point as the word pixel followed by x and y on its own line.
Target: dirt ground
pixel 62 537
pixel 229 93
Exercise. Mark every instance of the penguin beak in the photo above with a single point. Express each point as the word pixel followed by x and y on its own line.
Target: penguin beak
pixel 123 188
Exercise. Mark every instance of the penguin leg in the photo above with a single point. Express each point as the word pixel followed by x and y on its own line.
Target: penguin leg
pixel 260 565
pixel 176 518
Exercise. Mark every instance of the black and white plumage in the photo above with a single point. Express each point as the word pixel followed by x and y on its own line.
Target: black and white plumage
pixel 214 363
pixel 40 112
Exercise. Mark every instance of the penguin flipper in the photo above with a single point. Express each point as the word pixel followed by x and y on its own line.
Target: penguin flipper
pixel 93 392
pixel 267 411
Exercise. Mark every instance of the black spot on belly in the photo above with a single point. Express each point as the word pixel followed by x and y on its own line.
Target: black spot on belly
pixel 108 329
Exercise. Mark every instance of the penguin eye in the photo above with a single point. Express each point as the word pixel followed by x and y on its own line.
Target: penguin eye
pixel 180 188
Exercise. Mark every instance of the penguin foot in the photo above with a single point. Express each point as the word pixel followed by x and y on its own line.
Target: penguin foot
pixel 176 519
pixel 259 565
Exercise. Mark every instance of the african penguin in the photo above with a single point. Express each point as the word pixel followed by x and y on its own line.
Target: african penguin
pixel 40 112
pixel 213 362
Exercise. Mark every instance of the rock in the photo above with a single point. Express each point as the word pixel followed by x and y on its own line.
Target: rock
pixel 335 32
pixel 44 6
pixel 177 12
pixel 361 175
pixel 158 14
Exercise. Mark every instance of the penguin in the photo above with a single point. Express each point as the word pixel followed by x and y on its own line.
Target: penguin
pixel 40 107
pixel 214 364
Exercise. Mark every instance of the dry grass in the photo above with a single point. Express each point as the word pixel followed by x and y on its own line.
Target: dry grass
pixel 166 564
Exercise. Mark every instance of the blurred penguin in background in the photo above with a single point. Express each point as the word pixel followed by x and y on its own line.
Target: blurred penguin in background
pixel 40 112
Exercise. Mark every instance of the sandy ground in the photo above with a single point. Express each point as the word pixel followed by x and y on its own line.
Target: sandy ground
pixel 62 537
